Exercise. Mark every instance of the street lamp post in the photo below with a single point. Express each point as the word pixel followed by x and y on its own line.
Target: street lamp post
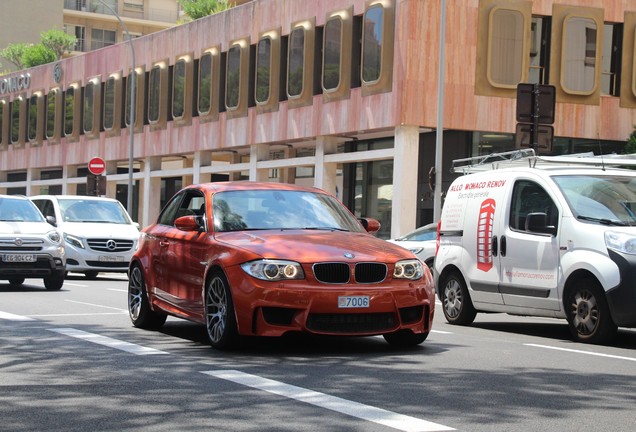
pixel 132 76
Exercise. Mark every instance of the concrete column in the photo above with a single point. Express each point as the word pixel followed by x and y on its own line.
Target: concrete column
pixel 288 175
pixel 405 165
pixel 325 173
pixel 151 191
pixel 235 158
pixel 258 152
pixel 201 158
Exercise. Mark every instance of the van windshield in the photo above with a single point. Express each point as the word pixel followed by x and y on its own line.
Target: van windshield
pixel 96 211
pixel 609 200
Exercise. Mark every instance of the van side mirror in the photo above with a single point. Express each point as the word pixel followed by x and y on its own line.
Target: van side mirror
pixel 538 223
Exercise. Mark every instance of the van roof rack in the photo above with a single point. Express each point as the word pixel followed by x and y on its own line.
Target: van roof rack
pixel 528 157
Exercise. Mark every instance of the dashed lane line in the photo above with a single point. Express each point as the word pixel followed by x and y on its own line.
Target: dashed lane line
pixel 583 352
pixel 12 317
pixel 333 403
pixel 109 342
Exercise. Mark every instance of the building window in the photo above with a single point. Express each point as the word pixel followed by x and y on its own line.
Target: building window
pixel 296 62
pixel 578 71
pixel 332 56
pixel 154 94
pixel 109 103
pixel 51 114
pixel 15 119
pixel 263 70
pixel 205 84
pixel 101 38
pixel 138 79
pixel 89 107
pixel 179 89
pixel 372 43
pixel 69 111
pixel 539 50
pixel 32 117
pixel 505 47
pixel 233 77
pixel 80 36
pixel 611 59
pixel 99 7
pixel 2 107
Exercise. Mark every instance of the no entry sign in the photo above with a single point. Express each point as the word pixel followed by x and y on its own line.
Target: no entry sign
pixel 97 166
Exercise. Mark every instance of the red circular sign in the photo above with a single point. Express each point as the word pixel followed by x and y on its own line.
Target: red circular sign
pixel 97 166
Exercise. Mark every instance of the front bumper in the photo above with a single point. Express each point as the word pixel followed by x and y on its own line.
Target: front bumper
pixel 622 298
pixel 44 265
pixel 275 308
pixel 81 260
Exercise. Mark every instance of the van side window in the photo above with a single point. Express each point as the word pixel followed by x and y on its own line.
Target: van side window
pixel 529 197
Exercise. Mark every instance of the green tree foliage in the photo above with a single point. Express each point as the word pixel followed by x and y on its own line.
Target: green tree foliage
pixel 53 44
pixel 36 55
pixel 196 9
pixel 631 143
pixel 13 53
pixel 57 41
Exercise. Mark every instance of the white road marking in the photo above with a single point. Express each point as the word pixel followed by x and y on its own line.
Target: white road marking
pixel 354 409
pixel 109 342
pixel 79 314
pixel 75 285
pixel 583 352
pixel 441 332
pixel 96 305
pixel 120 290
pixel 11 317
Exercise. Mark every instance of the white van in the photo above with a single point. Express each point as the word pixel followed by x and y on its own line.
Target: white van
pixel 541 236
pixel 99 234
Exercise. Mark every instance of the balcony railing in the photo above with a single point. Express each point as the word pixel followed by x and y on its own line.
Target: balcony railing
pixel 130 9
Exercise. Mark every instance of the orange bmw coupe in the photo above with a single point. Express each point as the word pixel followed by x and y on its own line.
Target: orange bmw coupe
pixel 265 259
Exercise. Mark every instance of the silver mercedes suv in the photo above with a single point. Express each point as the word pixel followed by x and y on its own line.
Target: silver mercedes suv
pixel 30 245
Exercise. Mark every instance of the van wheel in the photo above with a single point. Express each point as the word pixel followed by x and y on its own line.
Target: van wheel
pixel 588 314
pixel 456 304
pixel 91 274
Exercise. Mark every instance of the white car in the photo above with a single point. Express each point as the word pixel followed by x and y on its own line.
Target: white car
pixel 99 235
pixel 422 242
pixel 30 245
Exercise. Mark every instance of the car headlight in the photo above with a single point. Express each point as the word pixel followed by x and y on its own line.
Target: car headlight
pixel 408 269
pixel 620 242
pixel 273 270
pixel 72 240
pixel 54 236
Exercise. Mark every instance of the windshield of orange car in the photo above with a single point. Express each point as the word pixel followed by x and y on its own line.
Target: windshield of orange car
pixel 280 209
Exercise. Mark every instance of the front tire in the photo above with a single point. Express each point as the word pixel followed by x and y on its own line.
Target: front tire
pixel 91 274
pixel 220 320
pixel 16 281
pixel 405 338
pixel 588 314
pixel 54 282
pixel 456 303
pixel 141 315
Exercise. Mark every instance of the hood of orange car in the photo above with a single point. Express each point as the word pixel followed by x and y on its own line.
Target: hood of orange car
pixel 314 245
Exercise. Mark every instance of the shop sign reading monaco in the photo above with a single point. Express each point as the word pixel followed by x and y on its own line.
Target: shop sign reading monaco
pixel 15 84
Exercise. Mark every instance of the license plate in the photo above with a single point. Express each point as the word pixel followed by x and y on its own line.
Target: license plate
pixel 109 258
pixel 353 301
pixel 18 258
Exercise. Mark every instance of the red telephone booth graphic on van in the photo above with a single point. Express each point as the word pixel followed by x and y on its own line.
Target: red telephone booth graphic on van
pixel 484 234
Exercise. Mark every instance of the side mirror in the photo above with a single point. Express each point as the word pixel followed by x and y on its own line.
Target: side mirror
pixel 538 223
pixel 51 220
pixel 189 223
pixel 370 224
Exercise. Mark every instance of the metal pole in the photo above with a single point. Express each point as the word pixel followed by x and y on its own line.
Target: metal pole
pixel 437 195
pixel 132 76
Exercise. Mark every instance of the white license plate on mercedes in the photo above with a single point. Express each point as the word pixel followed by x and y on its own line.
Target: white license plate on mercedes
pixel 353 301
pixel 108 258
